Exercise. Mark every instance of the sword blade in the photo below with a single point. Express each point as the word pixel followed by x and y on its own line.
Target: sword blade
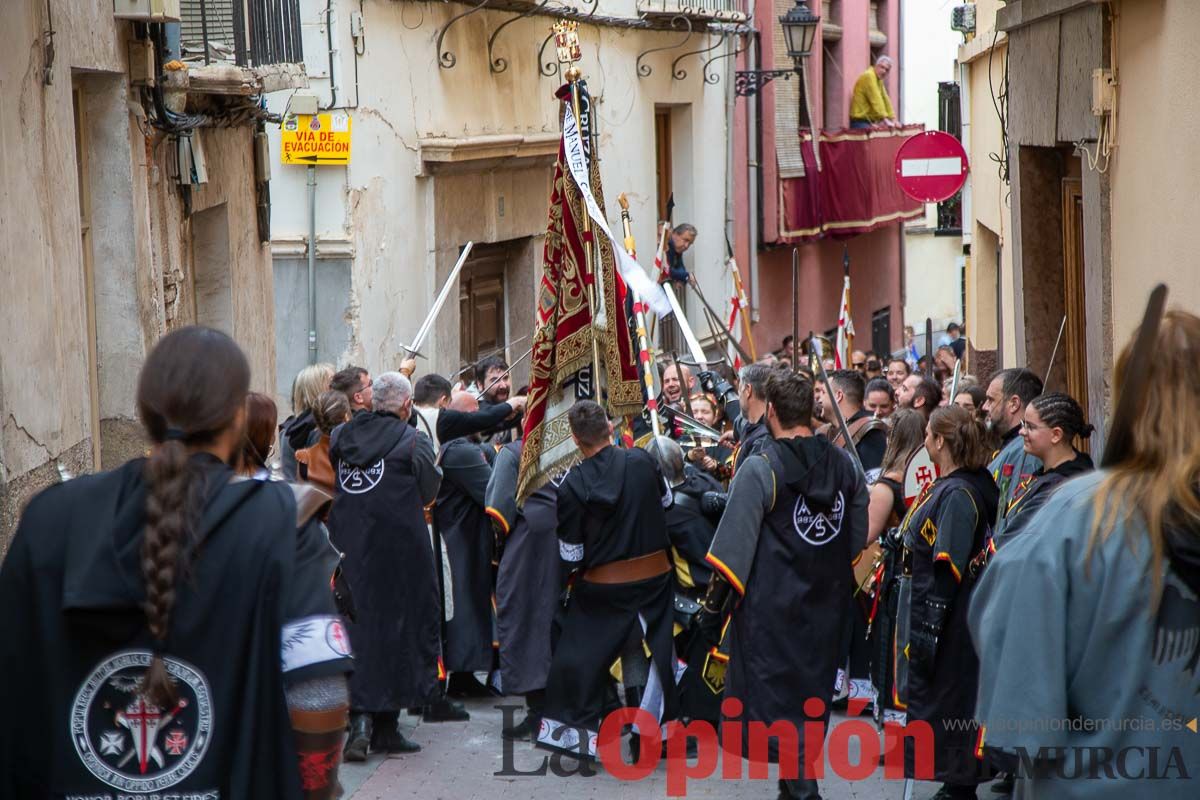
pixel 837 412
pixel 688 337
pixel 439 301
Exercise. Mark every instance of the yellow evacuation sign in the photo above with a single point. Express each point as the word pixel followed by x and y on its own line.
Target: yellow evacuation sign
pixel 319 139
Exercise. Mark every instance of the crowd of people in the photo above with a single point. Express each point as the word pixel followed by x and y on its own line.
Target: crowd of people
pixel 765 548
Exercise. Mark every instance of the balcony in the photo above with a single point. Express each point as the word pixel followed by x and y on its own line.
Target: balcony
pixel 708 10
pixel 854 190
pixel 242 46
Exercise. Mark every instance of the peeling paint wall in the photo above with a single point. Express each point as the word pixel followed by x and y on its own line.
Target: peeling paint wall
pixel 139 239
pixel 405 223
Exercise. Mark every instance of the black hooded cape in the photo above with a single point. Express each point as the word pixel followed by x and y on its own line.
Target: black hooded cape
pixel 72 589
pixel 384 477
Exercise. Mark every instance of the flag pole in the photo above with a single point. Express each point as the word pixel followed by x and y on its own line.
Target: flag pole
pixel 847 323
pixel 639 312
pixel 744 307
pixel 566 42
pixel 795 309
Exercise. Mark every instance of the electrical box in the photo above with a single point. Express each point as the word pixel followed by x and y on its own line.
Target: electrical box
pixel 141 62
pixel 962 18
pixel 147 10
pixel 303 105
pixel 1102 92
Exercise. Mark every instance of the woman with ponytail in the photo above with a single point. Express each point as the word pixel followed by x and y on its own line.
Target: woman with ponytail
pixel 1052 423
pixel 936 671
pixel 150 603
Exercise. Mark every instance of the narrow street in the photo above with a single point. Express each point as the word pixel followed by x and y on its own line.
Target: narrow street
pixel 459 760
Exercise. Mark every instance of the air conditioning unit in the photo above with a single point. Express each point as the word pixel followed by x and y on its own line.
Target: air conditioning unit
pixel 147 10
pixel 962 18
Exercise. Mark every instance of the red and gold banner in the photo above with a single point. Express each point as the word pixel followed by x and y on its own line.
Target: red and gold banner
pixel 855 190
pixel 562 344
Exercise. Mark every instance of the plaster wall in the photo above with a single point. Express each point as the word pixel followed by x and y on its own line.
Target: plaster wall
pixel 1154 201
pixel 404 220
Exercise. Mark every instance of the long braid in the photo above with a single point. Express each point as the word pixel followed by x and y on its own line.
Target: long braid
pixel 169 520
pixel 1059 410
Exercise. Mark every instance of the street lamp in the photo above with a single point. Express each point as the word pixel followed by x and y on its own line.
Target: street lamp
pixel 799 30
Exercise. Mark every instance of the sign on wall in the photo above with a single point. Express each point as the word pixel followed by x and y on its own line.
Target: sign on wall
pixel 315 139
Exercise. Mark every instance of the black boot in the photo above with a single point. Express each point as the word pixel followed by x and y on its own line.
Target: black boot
pixel 359 739
pixel 951 791
pixel 387 737
pixel 633 699
pixel 799 789
pixel 445 710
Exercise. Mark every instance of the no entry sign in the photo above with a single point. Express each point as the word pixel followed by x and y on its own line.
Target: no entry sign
pixel 931 166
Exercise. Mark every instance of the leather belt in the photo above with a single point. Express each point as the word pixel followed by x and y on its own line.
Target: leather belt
pixel 630 570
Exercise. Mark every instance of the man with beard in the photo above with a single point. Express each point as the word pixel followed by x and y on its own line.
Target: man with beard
pixel 464 527
pixel 528 582
pixel 441 423
pixel 612 534
pixel 385 476
pixel 749 425
pixel 1008 393
pixel 495 385
pixel 797 516
pixel 868 433
pixel 920 392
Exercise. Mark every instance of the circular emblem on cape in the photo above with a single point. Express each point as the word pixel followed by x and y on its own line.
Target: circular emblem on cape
pixel 337 638
pixel 818 528
pixel 128 742
pixel 356 480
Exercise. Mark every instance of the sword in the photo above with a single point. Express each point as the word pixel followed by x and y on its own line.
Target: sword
pixel 1129 404
pixel 1054 352
pixel 713 317
pixel 837 412
pixel 954 383
pixel 423 331
pixel 929 345
pixel 688 337
pixel 491 352
pixel 697 425
pixel 684 391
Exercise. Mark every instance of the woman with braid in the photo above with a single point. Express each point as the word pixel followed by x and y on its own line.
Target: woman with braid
pixel 1052 422
pixel 165 619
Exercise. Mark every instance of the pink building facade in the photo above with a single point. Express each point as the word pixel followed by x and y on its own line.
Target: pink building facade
pixel 851 36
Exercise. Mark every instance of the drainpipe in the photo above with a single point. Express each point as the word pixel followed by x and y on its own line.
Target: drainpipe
pixel 312 264
pixel 964 110
pixel 754 175
pixel 171 33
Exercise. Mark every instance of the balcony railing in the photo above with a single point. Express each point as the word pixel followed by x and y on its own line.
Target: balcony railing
pixel 249 33
pixel 716 10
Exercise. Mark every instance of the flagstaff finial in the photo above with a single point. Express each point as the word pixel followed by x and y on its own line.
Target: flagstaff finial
pixel 566 41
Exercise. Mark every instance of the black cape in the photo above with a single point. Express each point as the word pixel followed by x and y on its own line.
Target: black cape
pixel 948 525
pixel 378 521
pixel 1022 509
pixel 788 552
pixel 690 532
pixel 470 545
pixel 71 588
pixel 529 577
pixel 753 436
pixel 610 508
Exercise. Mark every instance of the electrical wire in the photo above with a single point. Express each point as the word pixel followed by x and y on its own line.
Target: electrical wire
pixel 1000 104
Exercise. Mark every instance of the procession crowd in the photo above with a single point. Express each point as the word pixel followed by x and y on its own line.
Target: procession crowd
pixel 894 538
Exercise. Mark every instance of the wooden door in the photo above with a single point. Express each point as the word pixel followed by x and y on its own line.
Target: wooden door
pixel 662 158
pixel 481 302
pixel 1073 350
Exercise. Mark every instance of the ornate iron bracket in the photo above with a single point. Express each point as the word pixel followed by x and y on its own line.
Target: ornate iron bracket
pixel 748 81
pixel 681 74
pixel 498 65
pixel 644 70
pixel 446 59
pixel 714 77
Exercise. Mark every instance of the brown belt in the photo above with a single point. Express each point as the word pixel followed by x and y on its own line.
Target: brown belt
pixel 631 569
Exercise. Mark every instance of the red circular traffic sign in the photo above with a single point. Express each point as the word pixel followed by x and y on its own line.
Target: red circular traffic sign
pixel 931 166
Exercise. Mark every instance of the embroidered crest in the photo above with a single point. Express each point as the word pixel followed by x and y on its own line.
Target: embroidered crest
pixel 356 480
pixel 820 528
pixel 929 532
pixel 130 743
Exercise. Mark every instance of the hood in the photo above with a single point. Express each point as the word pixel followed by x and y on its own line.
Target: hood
pixel 367 438
pixel 103 571
pixel 598 480
pixel 297 430
pixel 1078 465
pixel 813 467
pixel 985 487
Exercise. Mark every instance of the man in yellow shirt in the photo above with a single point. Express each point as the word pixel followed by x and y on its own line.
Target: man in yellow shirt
pixel 870 104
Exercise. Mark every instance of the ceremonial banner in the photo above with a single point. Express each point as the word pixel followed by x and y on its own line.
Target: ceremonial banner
pixel 560 367
pixel 735 333
pixel 845 328
pixel 854 192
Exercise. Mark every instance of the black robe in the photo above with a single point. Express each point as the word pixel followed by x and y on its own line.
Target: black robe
pixel 470 545
pixel 1044 483
pixel 797 516
pixel 944 530
pixel 610 508
pixel 753 435
pixel 506 430
pixel 691 533
pixel 530 576
pixel 71 588
pixel 385 476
